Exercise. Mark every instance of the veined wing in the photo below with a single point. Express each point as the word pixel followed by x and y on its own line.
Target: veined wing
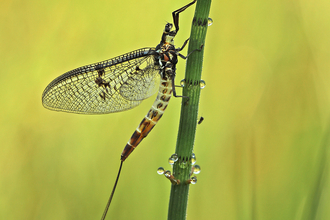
pixel 112 85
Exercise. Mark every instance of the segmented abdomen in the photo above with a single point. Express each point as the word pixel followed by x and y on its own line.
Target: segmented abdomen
pixel 152 117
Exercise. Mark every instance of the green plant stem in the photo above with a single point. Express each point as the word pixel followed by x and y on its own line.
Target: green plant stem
pixel 189 111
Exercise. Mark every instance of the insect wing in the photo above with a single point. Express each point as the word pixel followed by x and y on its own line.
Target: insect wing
pixel 113 85
pixel 142 82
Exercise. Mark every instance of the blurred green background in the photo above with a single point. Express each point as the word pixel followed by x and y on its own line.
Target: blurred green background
pixel 263 146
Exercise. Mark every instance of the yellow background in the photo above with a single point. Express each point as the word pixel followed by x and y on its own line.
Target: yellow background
pixel 263 146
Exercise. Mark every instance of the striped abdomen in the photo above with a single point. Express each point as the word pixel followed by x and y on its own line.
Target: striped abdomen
pixel 152 117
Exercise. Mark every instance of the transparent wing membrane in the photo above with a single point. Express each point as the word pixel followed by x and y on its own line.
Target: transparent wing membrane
pixel 113 85
pixel 141 84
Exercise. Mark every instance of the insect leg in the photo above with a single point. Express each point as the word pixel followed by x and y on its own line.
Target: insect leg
pixel 185 57
pixel 176 13
pixel 174 92
pixel 181 48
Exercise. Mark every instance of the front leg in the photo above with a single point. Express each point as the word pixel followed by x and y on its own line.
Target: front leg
pixel 175 15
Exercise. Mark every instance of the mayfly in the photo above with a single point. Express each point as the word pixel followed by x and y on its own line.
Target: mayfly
pixel 122 83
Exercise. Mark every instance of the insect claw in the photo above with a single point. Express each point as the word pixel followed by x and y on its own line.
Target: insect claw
pixel 187 101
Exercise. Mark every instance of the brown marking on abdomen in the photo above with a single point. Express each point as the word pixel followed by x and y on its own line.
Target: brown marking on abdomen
pixel 141 132
pixel 154 115
pixel 127 151
pixel 150 120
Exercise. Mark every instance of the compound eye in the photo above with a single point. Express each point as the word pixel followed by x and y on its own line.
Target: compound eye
pixel 168 27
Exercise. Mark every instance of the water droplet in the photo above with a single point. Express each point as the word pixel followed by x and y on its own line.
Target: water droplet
pixel 167 173
pixel 175 157
pixel 183 82
pixel 160 170
pixel 197 169
pixel 209 21
pixel 193 180
pixel 193 159
pixel 202 84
